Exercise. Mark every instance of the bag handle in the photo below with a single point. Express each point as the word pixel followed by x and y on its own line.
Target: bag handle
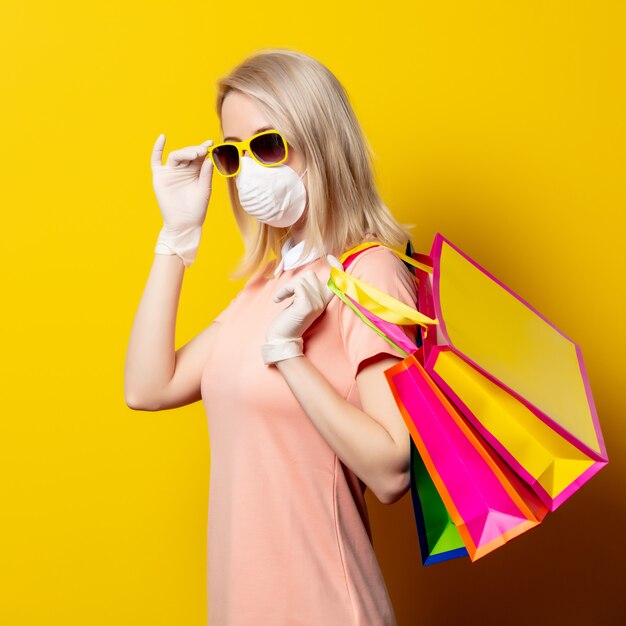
pixel 379 303
pixel 387 331
pixel 425 263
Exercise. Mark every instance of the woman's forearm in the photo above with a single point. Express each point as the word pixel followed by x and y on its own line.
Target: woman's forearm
pixel 359 441
pixel 151 356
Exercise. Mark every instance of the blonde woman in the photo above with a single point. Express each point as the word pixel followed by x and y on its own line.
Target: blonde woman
pixel 301 419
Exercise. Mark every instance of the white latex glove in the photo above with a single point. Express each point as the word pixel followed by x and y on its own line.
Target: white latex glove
pixel 183 189
pixel 284 335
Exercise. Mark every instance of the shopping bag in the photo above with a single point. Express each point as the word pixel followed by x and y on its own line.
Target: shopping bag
pixel 518 379
pixel 519 366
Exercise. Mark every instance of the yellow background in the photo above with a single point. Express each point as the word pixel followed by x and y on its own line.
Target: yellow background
pixel 499 124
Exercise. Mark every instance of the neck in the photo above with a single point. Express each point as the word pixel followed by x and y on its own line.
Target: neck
pixel 296 232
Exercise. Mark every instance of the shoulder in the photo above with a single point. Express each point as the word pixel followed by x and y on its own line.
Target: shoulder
pixel 378 265
pixel 374 256
pixel 261 275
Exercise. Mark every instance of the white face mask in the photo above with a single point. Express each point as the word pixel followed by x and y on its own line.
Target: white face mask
pixel 273 195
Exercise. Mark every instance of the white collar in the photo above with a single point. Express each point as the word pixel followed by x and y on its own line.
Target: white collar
pixel 291 256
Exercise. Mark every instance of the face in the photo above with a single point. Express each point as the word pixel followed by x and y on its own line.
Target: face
pixel 242 118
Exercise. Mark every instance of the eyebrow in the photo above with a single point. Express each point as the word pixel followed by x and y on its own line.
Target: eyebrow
pixel 256 132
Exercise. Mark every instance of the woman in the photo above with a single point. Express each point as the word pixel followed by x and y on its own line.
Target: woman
pixel 301 419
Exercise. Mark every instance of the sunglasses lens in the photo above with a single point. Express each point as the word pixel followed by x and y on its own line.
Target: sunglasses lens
pixel 268 148
pixel 226 159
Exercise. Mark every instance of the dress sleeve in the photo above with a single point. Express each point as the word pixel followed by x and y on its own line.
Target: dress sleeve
pixel 381 268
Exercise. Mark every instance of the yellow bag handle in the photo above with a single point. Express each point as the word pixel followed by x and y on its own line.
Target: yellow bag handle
pixel 378 302
pixel 404 257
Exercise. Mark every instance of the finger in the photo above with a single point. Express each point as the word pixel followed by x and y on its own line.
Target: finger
pixel 284 292
pixel 325 293
pixel 328 294
pixel 334 262
pixel 190 153
pixel 156 158
pixel 296 287
pixel 300 290
pixel 206 171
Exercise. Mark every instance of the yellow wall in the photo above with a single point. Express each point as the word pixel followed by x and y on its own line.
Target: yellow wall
pixel 499 124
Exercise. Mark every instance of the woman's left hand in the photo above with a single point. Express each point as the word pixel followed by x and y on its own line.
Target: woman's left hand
pixel 311 296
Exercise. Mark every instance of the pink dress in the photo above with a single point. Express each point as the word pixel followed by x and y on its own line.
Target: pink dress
pixel 289 539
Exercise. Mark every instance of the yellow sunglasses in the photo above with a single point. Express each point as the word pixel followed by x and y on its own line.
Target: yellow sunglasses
pixel 268 148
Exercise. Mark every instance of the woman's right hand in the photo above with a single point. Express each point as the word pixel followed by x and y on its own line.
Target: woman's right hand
pixel 183 185
pixel 183 189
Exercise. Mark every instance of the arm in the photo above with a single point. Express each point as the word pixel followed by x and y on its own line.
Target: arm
pixel 157 377
pixel 373 443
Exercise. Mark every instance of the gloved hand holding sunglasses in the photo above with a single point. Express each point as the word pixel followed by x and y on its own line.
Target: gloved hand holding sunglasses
pixel 183 190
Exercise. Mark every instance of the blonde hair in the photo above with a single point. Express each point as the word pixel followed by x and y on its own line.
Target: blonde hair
pixel 304 100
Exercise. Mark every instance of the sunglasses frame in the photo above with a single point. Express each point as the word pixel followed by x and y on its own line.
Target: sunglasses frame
pixel 245 145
